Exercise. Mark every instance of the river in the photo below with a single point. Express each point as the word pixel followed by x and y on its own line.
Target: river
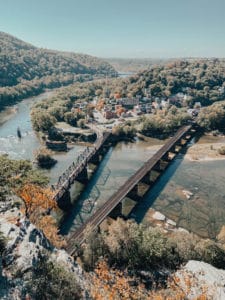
pixel 19 116
pixel 203 213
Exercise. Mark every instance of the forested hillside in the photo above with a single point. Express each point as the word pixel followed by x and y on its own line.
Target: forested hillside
pixel 26 70
pixel 203 80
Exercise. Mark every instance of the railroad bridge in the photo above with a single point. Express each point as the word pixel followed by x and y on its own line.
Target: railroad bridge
pixel 135 187
pixel 77 171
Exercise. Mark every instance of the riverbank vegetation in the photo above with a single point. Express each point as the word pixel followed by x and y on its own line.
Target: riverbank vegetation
pixel 27 70
pixel 50 280
pixel 44 159
pixel 124 131
pixel 221 150
pixel 16 173
pixel 213 117
pixel 147 257
pixel 18 177
pixel 164 122
pixel 137 247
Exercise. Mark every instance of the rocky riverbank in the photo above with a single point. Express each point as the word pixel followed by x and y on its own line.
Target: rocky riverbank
pixel 25 246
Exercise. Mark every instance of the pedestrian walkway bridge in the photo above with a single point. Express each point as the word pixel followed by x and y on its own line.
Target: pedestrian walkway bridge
pixel 78 170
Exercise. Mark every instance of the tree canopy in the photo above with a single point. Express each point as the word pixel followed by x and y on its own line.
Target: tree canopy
pixel 26 70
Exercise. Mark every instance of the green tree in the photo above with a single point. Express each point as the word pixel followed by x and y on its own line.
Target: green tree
pixel 42 120
pixel 50 280
pixel 81 123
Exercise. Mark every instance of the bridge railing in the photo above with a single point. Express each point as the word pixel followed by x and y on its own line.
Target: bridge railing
pixel 75 169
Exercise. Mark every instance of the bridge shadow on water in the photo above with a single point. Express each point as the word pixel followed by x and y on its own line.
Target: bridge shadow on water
pixel 84 206
pixel 141 208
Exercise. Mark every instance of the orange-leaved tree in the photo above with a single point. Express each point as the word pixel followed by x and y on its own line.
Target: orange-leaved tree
pixel 38 203
pixel 36 199
pixel 49 226
pixel 113 284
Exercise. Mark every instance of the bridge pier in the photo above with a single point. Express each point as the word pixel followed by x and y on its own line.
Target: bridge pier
pixel 147 178
pixel 188 137
pixel 165 157
pixel 117 211
pixel 159 166
pixel 134 194
pixel 176 148
pixel 103 150
pixel 95 159
pixel 182 142
pixel 82 177
pixel 142 189
pixel 64 202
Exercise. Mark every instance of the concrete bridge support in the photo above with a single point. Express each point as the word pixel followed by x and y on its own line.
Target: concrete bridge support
pixel 165 157
pixel 82 177
pixel 173 149
pixel 188 137
pixel 95 159
pixel 103 150
pixel 159 166
pixel 134 194
pixel 147 179
pixel 64 202
pixel 143 188
pixel 117 211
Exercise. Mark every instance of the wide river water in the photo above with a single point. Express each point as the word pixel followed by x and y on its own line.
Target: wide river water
pixel 203 213
pixel 19 116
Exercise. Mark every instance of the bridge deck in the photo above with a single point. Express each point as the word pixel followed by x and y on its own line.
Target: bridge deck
pixel 78 236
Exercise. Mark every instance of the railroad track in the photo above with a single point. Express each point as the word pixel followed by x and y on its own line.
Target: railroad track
pixel 78 236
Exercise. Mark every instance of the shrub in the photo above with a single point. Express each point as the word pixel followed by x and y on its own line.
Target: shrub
pixel 50 280
pixel 81 123
pixel 44 159
pixel 2 243
pixel 138 247
pixel 42 120
pixel 221 150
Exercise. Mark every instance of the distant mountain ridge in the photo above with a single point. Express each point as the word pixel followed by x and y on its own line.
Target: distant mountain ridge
pixel 22 61
pixel 26 70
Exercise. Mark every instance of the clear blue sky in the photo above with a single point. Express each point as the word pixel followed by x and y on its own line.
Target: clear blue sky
pixel 120 28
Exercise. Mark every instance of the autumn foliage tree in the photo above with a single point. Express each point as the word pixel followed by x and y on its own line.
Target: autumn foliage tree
pixel 38 203
pixel 107 283
pixel 113 284
pixel 100 104
pixel 49 226
pixel 36 199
